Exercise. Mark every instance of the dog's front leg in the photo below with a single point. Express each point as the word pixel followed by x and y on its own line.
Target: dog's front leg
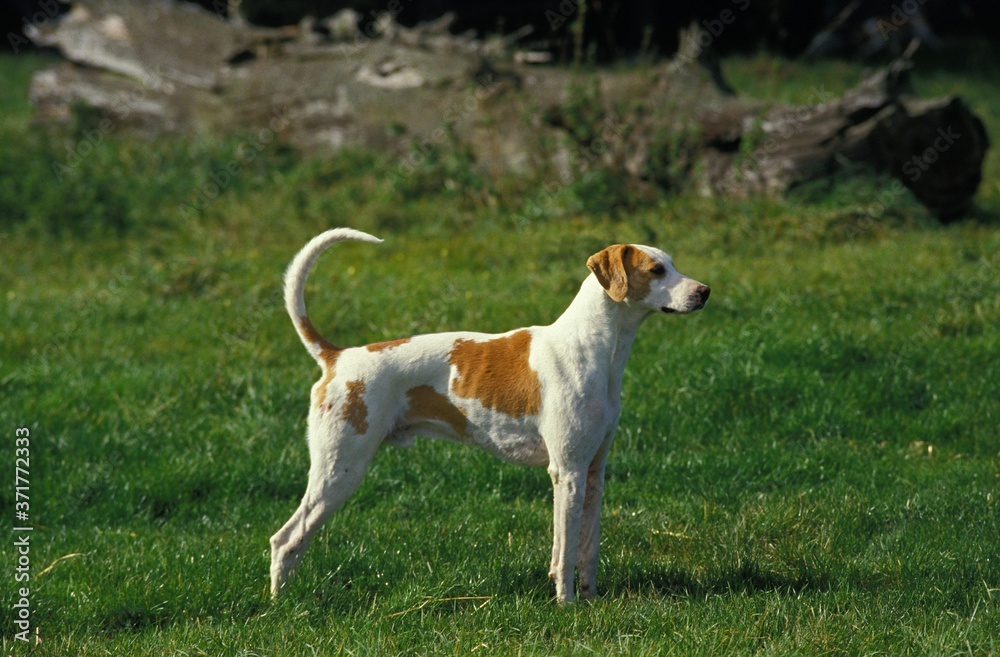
pixel 590 525
pixel 569 489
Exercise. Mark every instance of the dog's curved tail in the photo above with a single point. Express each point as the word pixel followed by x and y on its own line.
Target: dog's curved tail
pixel 295 284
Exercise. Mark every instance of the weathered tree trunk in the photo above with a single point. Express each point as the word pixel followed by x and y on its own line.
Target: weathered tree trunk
pixel 935 147
pixel 165 67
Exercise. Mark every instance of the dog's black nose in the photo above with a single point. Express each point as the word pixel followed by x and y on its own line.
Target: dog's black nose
pixel 703 291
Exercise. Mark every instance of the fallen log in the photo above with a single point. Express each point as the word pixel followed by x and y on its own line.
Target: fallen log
pixel 934 147
pixel 326 85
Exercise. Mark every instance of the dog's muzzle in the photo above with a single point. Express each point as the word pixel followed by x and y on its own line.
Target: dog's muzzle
pixel 695 302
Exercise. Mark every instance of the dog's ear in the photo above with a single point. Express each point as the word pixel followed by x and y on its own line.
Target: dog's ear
pixel 609 268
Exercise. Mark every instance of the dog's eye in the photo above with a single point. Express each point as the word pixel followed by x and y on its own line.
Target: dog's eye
pixel 658 270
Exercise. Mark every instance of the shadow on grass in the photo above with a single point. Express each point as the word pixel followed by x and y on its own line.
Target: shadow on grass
pixel 533 586
pixel 748 578
pixel 137 617
pixel 131 617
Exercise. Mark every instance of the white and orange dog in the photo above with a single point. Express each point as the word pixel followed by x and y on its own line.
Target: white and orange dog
pixel 543 395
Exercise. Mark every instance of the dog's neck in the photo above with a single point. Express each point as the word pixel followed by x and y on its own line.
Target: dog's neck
pixel 600 329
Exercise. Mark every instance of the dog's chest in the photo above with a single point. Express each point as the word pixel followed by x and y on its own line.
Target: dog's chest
pixel 514 441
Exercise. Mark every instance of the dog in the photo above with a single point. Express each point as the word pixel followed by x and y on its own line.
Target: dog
pixel 542 396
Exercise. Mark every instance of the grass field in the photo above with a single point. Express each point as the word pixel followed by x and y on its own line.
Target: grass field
pixel 809 466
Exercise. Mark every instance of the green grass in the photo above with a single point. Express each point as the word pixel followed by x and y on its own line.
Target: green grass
pixel 809 466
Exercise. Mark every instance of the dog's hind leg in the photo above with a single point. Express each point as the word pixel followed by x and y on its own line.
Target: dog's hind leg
pixel 334 474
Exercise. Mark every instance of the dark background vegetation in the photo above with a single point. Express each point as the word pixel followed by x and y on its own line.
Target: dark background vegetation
pixel 612 28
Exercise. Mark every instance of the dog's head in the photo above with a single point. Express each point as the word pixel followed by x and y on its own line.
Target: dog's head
pixel 645 277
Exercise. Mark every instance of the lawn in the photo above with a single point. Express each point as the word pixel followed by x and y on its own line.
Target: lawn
pixel 808 466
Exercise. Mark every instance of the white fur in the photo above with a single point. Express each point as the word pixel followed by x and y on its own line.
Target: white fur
pixel 579 361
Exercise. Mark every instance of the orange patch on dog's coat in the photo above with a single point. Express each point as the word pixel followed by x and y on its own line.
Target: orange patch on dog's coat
pixel 388 344
pixel 497 373
pixel 624 271
pixel 355 411
pixel 329 353
pixel 426 403
pixel 329 357
pixel 313 335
